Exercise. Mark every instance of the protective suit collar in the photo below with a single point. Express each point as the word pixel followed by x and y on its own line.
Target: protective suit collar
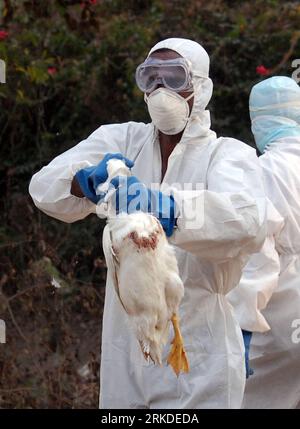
pixel 198 126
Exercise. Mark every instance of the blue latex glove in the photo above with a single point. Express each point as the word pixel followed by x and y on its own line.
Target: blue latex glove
pixel 132 196
pixel 247 339
pixel 90 178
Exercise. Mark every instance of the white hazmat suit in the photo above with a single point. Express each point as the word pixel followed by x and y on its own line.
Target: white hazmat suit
pixel 259 280
pixel 210 255
pixel 275 355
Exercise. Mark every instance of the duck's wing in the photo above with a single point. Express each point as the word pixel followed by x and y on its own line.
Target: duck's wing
pixel 112 261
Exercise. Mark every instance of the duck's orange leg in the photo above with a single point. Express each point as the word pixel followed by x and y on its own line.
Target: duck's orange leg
pixel 177 357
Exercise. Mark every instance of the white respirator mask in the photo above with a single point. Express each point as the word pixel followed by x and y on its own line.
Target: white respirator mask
pixel 168 110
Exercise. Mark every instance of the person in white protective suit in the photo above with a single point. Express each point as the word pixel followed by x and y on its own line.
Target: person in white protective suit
pixel 176 148
pixel 275 347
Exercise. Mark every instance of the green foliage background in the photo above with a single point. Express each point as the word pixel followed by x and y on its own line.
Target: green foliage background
pixel 70 68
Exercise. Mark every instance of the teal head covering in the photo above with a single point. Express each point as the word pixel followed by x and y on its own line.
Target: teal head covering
pixel 274 106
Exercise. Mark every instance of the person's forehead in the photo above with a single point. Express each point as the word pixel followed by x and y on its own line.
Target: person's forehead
pixel 166 54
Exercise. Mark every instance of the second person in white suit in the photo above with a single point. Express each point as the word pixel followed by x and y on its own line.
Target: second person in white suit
pixel 271 280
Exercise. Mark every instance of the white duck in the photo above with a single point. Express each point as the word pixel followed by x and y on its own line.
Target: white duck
pixel 145 275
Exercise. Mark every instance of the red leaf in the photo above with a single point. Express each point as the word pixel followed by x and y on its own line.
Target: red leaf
pixel 52 70
pixel 262 70
pixel 3 34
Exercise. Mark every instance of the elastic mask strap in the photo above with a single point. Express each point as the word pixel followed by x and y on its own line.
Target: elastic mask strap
pixel 275 120
pixel 189 97
pixel 275 106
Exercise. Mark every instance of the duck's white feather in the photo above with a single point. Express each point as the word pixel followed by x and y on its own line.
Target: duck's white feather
pixel 144 270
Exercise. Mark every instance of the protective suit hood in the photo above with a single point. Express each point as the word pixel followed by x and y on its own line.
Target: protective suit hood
pixel 198 126
pixel 274 106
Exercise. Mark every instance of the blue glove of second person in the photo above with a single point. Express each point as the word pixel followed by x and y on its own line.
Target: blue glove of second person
pixel 90 178
pixel 132 196
pixel 247 339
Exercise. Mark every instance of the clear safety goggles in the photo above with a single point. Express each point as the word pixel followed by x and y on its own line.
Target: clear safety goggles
pixel 173 74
